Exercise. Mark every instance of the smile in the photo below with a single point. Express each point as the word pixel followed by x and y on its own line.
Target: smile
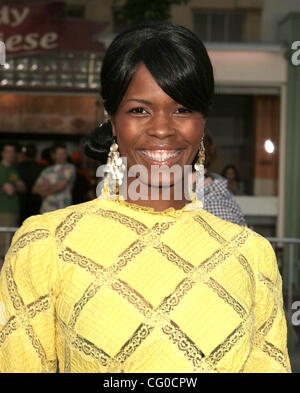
pixel 160 155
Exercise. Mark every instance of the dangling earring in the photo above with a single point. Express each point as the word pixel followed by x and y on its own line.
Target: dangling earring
pixel 114 171
pixel 198 199
pixel 199 167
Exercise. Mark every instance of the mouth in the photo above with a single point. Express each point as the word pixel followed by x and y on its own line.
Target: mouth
pixel 161 157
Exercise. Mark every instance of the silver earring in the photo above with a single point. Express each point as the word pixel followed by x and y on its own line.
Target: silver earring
pixel 197 196
pixel 114 171
pixel 199 167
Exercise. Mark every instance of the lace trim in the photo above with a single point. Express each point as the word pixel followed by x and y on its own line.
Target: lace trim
pixel 194 205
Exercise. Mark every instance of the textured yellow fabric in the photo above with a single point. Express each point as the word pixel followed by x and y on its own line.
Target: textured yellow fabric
pixel 107 286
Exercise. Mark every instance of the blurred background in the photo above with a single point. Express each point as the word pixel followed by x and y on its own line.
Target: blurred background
pixel 49 92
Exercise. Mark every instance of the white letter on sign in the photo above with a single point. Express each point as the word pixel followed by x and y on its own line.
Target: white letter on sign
pixel 19 16
pixel 4 16
pixel 2 53
pixel 48 39
pixel 12 41
pixel 31 41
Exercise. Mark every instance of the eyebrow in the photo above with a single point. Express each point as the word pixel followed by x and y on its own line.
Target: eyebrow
pixel 141 101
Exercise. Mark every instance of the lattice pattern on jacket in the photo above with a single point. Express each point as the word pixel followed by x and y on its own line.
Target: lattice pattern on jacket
pixel 108 286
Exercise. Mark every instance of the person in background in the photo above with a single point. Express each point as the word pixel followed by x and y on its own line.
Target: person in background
pixel 233 179
pixel 218 200
pixel 46 158
pixel 29 171
pixel 82 188
pixel 55 182
pixel 20 154
pixel 10 184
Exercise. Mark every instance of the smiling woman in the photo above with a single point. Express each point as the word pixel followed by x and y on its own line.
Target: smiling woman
pixel 152 129
pixel 157 108
pixel 154 285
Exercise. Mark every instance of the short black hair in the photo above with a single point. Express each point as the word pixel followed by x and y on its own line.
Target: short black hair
pixel 8 143
pixel 175 57
pixel 56 146
pixel 233 167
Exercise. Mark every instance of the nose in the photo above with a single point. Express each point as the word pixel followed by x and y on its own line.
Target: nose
pixel 161 126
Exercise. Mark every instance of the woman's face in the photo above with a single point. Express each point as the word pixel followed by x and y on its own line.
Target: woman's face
pixel 152 129
pixel 230 174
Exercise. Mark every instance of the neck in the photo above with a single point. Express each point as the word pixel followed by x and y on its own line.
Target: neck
pixel 158 198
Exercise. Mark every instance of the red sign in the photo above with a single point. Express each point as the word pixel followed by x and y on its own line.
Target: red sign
pixel 35 27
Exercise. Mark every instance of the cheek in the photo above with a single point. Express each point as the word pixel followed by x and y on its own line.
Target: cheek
pixel 194 133
pixel 126 132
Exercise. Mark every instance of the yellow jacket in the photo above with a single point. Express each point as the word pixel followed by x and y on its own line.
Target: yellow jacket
pixel 109 286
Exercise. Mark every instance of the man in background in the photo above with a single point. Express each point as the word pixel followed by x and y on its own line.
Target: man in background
pixel 10 185
pixel 218 200
pixel 55 182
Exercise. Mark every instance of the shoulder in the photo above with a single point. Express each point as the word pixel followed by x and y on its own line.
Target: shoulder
pixel 242 241
pixel 46 170
pixel 226 230
pixel 31 260
pixel 69 167
pixel 57 217
pixel 34 231
pixel 266 261
pixel 49 221
pixel 225 208
pixel 37 235
pixel 217 190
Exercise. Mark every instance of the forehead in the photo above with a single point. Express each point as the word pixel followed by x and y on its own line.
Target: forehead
pixel 143 85
pixel 60 150
pixel 9 148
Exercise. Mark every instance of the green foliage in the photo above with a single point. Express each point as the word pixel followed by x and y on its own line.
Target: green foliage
pixel 137 11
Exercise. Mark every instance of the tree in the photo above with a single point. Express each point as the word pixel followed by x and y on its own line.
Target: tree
pixel 137 11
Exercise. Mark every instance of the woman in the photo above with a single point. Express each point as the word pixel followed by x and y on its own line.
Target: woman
pixel 234 184
pixel 129 284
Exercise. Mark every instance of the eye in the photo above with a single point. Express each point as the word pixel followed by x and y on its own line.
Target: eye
pixel 183 110
pixel 139 110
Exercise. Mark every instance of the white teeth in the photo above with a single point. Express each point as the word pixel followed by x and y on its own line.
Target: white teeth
pixel 161 156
